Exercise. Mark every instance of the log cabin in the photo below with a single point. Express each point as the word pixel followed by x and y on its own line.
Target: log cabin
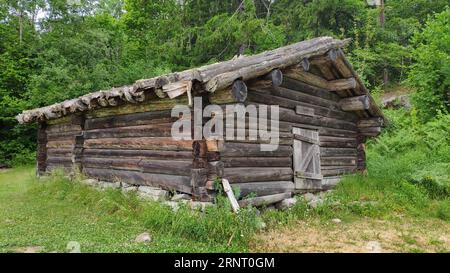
pixel 325 115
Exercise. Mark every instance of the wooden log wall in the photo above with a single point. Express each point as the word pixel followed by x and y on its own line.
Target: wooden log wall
pixel 248 168
pixel 137 148
pixel 301 105
pixel 118 144
pixel 319 109
pixel 41 154
pixel 62 140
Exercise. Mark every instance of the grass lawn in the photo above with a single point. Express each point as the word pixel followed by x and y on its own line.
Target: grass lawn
pixel 46 216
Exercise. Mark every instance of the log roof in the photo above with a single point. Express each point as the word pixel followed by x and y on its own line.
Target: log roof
pixel 322 52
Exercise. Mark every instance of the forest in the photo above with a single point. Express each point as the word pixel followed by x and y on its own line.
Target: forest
pixel 52 50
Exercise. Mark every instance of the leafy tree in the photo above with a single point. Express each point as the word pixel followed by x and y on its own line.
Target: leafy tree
pixel 430 75
pixel 225 36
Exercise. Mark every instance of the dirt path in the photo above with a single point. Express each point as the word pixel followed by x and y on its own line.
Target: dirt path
pixel 368 235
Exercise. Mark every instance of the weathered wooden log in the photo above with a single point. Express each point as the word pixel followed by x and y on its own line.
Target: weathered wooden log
pixel 222 96
pixel 63 128
pixel 253 150
pixel 283 127
pixel 199 178
pixel 272 79
pixel 246 174
pixel 299 74
pixel 325 151
pixel 112 163
pixel 340 171
pixel 319 60
pixel 77 152
pixel 237 93
pixel 342 84
pixel 215 169
pixel 230 194
pixel 135 119
pixel 264 200
pixel 337 167
pixel 147 154
pixel 152 130
pixel 148 143
pixel 320 112
pixel 168 182
pixel 327 72
pixel 60 144
pixel 160 93
pixel 303 110
pixel 312 79
pixel 361 154
pixel 338 144
pixel 153 105
pixel 358 103
pixel 336 132
pixel 65 167
pixel 41 153
pixel 55 160
pixel 230 162
pixel 143 165
pixel 371 122
pixel 290 116
pixel 338 161
pixel 299 86
pixel 370 131
pixel 166 166
pixel 61 136
pixel 62 120
pixel 214 145
pixel 264 188
pixel 337 139
pixel 321 107
pixel 281 141
pixel 60 152
pixel 325 131
pixel 176 89
pixel 304 98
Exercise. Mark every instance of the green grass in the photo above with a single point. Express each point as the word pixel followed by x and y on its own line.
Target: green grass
pixel 50 214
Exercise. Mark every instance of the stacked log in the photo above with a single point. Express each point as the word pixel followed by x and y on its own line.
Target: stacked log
pixel 61 140
pixel 137 147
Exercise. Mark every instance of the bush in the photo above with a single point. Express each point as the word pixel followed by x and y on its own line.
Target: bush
pixel 430 75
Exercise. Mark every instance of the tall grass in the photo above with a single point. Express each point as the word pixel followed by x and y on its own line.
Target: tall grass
pixel 215 226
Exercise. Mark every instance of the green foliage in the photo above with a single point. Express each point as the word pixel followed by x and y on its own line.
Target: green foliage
pixel 430 75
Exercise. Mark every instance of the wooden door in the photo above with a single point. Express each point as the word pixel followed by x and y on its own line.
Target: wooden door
pixel 307 174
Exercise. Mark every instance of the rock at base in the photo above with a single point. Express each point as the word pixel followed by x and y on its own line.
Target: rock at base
pixel 152 193
pixel 286 203
pixel 129 189
pixel 143 238
pixel 181 196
